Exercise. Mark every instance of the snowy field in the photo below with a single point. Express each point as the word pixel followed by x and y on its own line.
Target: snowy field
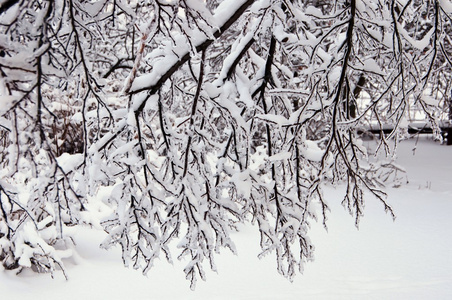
pixel 406 259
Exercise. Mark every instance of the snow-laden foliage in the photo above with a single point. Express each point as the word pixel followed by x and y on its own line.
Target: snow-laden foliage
pixel 201 115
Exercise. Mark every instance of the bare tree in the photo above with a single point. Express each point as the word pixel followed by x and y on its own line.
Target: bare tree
pixel 200 116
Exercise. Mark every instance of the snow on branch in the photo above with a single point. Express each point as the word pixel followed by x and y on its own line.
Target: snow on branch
pixel 171 124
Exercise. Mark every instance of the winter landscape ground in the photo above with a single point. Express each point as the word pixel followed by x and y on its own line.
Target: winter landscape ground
pixel 406 259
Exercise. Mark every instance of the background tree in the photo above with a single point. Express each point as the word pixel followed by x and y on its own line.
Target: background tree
pixel 201 116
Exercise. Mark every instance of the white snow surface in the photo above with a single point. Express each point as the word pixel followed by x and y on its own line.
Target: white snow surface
pixel 406 259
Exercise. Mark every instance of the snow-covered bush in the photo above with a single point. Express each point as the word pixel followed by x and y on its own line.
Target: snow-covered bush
pixel 199 115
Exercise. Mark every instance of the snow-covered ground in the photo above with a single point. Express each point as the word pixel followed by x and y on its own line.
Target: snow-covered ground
pixel 406 259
